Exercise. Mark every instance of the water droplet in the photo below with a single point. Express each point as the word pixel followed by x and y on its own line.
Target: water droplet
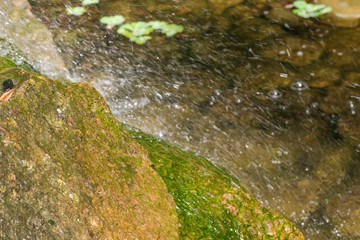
pixel 352 107
pixel 274 94
pixel 299 86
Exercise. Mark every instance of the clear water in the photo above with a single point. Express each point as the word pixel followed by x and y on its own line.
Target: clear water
pixel 275 102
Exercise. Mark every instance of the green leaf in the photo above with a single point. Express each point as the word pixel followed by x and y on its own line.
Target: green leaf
pixel 77 11
pixel 140 40
pixel 307 10
pixel 158 25
pixel 326 10
pixel 141 28
pixel 301 13
pixel 314 8
pixel 172 29
pixel 300 4
pixel 89 2
pixel 126 30
pixel 112 21
pixel 138 32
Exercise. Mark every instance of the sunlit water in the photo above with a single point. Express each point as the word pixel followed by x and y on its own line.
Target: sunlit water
pixel 276 104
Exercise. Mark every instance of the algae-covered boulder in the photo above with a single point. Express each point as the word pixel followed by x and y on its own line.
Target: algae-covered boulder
pixel 69 170
pixel 211 204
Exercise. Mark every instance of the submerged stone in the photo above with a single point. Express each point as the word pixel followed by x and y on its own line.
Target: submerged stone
pixel 343 209
pixel 218 6
pixel 343 48
pixel 296 51
pixel 321 75
pixel 345 13
pixel 264 74
pixel 286 18
pixel 255 30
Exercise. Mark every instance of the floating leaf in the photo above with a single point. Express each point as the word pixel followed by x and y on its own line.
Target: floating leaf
pixel 141 28
pixel 300 4
pixel 89 2
pixel 326 10
pixel 126 30
pixel 172 29
pixel 112 21
pixel 77 11
pixel 157 25
pixel 140 39
pixel 135 29
pixel 307 10
pixel 138 32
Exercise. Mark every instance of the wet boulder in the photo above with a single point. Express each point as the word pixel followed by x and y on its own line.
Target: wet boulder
pixel 69 170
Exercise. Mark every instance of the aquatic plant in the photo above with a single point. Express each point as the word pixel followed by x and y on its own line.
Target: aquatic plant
pixel 89 2
pixel 77 11
pixel 168 29
pixel 138 32
pixel 112 21
pixel 308 10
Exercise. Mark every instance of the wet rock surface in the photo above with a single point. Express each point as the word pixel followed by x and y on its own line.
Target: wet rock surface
pixel 69 170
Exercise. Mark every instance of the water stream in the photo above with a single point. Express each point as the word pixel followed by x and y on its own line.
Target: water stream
pixel 271 97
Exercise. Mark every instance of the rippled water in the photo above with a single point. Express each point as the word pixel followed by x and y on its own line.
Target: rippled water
pixel 272 97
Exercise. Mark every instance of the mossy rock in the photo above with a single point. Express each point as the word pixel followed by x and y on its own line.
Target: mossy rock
pixel 211 204
pixel 69 171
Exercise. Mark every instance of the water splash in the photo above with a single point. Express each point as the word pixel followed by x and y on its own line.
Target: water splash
pixel 299 86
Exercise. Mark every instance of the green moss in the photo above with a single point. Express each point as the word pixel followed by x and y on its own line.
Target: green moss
pixel 210 202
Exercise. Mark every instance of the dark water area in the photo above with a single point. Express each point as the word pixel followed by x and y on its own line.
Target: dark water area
pixel 273 98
